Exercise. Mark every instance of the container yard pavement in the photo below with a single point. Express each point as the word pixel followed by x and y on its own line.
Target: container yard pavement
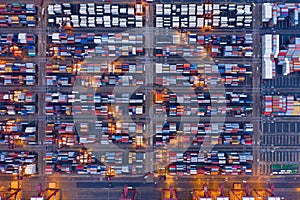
pixel 91 186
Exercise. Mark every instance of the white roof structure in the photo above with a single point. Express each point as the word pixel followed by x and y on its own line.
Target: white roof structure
pixel 222 198
pixel 286 67
pixel 266 12
pixel 267 64
pixel 275 45
pixel 274 198
pixel 248 198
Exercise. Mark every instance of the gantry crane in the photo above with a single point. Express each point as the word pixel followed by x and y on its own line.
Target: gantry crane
pixel 264 193
pixel 169 194
pixel 125 194
pixel 48 193
pixel 12 192
pixel 208 15
pixel 222 193
pixel 206 194
pixel 239 193
pixel 52 193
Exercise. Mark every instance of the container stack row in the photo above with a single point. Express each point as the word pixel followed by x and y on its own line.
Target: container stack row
pixel 163 97
pixel 273 14
pixel 203 16
pixel 208 39
pixel 80 162
pixel 99 74
pixel 18 45
pixel 200 81
pixel 90 51
pixel 24 132
pixel 284 169
pixel 93 15
pixel 17 74
pixel 116 67
pixel 17 68
pixel 82 52
pixel 18 162
pixel 188 68
pixel 85 163
pixel 96 39
pixel 18 15
pixel 17 103
pixel 60 133
pixel 203 104
pixel 193 44
pixel 95 68
pixel 198 134
pixel 208 163
pixel 203 111
pixel 288 56
pixel 122 133
pixel 213 39
pixel 180 50
pixel 7 109
pixel 94 81
pixel 16 96
pixel 18 38
pixel 125 163
pixel 95 98
pixel 81 46
pixel 17 80
pixel 99 104
pixel 281 105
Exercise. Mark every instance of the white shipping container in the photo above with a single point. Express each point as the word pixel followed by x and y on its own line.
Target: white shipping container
pixel 200 9
pixel 200 22
pixel 130 11
pixel 139 24
pixel 175 24
pixel 139 8
pixel 158 68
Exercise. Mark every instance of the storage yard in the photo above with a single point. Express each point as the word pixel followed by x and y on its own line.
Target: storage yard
pixel 95 15
pixel 275 15
pixel 18 15
pixel 199 16
pixel 199 134
pixel 280 53
pixel 151 95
